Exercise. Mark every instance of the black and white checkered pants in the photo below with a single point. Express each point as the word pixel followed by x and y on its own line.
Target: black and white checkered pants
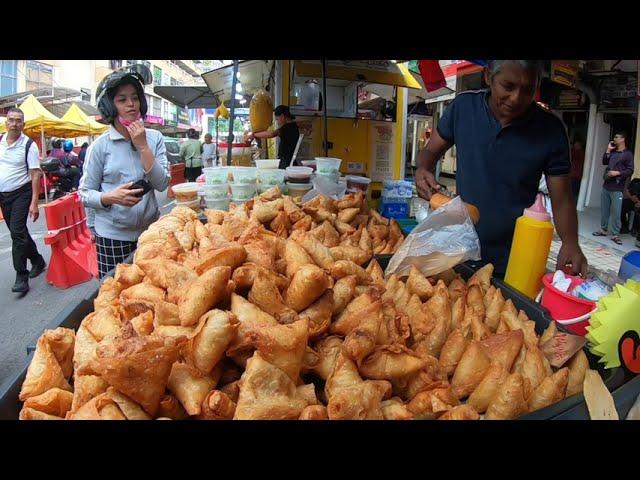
pixel 111 252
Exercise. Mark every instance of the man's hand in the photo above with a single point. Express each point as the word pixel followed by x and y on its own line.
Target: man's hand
pixel 610 147
pixel 613 173
pixel 33 210
pixel 572 254
pixel 122 196
pixel 425 183
pixel 138 135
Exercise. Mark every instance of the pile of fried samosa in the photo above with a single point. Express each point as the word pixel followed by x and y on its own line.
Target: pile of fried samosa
pixel 252 316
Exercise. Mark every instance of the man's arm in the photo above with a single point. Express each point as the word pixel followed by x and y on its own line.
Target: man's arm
pixel 427 160
pixel 566 222
pixel 35 191
pixel 266 134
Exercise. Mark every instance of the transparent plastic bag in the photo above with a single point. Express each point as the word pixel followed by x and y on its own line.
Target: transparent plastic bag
pixel 444 239
pixel 325 187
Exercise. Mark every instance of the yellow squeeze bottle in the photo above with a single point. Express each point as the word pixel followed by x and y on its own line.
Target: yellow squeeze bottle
pixel 530 249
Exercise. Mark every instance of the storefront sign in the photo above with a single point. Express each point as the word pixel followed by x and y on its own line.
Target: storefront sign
pixel 183 116
pixel 382 135
pixel 619 91
pixel 564 72
pixel 154 120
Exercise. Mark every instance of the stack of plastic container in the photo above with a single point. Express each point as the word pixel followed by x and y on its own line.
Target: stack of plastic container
pixel 298 180
pixel 329 168
pixel 244 184
pixel 216 188
pixel 187 195
pixel 269 175
pixel 396 198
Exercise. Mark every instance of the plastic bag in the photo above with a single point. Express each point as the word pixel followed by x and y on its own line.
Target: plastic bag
pixel 446 238
pixel 325 187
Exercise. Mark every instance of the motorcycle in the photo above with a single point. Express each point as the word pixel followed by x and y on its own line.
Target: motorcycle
pixel 56 184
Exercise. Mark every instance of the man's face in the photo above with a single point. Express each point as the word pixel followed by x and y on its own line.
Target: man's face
pixel 207 138
pixel 618 140
pixel 512 90
pixel 15 122
pixel 280 120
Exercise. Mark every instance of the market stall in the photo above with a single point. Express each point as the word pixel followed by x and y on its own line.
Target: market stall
pixel 293 292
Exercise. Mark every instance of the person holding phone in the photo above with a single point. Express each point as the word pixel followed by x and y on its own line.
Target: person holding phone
pixel 123 167
pixel 619 161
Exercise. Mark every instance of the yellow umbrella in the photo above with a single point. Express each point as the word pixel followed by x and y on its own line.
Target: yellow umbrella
pixel 76 116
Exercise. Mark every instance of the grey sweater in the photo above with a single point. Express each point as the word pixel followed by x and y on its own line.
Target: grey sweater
pixel 111 162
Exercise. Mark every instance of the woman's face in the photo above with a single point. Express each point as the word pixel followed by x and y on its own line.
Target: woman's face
pixel 127 102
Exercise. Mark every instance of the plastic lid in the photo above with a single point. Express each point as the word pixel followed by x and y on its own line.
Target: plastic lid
pixel 537 210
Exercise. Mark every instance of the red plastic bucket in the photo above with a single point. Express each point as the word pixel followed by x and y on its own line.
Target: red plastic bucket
pixel 572 312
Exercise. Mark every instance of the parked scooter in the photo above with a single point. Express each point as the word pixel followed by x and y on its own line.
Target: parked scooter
pixel 57 185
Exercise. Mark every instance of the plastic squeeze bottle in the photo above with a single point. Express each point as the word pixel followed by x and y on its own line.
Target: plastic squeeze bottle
pixel 530 249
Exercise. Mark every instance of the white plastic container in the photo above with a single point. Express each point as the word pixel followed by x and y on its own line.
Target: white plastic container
pixel 309 163
pixel 299 174
pixel 219 204
pixel 271 177
pixel 355 183
pixel 216 175
pixel 186 192
pixel 328 166
pixel 265 164
pixel 263 188
pixel 193 204
pixel 216 191
pixel 244 175
pixel 298 189
pixel 243 191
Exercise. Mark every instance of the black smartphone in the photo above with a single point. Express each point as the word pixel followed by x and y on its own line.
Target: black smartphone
pixel 146 187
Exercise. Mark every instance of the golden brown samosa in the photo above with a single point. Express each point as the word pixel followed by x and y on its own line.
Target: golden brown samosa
pixel 44 372
pixel 508 402
pixel 203 294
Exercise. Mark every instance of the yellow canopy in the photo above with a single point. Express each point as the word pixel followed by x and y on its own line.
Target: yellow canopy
pixel 38 121
pixel 76 116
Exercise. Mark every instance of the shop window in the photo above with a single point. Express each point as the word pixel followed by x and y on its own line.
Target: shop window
pixel 157 75
pixel 157 107
pixel 8 77
pixel 39 75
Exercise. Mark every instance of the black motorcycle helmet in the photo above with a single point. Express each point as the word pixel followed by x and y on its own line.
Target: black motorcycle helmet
pixel 137 75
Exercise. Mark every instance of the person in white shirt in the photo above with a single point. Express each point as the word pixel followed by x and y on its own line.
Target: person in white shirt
pixel 208 151
pixel 19 188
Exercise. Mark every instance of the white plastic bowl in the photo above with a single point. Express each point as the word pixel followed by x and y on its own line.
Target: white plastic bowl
pixel 216 191
pixel 271 177
pixel 216 175
pixel 298 189
pixel 309 163
pixel 186 192
pixel 244 175
pixel 263 164
pixel 299 172
pixel 243 191
pixel 328 166
pixel 219 204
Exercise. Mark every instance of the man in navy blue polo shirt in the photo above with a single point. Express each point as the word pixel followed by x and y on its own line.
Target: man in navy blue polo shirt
pixel 505 142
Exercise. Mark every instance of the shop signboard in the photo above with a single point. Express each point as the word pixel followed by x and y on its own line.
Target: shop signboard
pixel 381 137
pixel 564 72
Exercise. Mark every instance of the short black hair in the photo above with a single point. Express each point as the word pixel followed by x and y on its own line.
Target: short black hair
pixel 622 133
pixel 283 110
pixel 15 110
pixel 193 134
pixel 85 145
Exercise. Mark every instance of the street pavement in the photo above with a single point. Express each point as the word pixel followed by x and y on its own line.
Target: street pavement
pixel 22 320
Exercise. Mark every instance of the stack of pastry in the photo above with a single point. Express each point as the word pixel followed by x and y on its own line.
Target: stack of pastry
pixel 236 320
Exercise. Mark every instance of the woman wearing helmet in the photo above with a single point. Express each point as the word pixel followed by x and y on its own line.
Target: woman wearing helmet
pixel 127 153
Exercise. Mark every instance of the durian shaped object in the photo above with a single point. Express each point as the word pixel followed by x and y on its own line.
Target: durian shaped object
pixel 617 314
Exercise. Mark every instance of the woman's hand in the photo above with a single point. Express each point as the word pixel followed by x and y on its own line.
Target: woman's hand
pixel 123 195
pixel 138 136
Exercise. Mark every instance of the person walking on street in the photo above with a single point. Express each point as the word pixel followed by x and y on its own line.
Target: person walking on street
pixel 208 151
pixel 619 161
pixel 514 142
pixel 82 153
pixel 126 154
pixel 70 165
pixel 191 155
pixel 19 188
